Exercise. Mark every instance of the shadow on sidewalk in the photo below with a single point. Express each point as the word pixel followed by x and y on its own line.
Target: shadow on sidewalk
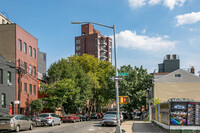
pixel 146 127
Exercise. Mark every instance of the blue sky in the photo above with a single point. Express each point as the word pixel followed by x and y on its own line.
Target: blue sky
pixel 146 30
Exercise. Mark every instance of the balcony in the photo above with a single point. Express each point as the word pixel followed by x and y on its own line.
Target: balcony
pixel 103 42
pixel 103 50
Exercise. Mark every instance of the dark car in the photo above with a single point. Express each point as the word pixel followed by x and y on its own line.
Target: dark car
pixel 126 115
pixel 94 116
pixel 86 117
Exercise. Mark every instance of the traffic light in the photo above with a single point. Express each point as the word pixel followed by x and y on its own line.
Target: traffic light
pixel 124 99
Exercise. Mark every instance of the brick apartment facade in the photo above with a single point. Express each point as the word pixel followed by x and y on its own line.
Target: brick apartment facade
pixel 20 47
pixel 92 42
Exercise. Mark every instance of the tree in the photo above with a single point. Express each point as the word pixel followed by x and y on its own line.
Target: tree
pixel 135 86
pixel 58 93
pixel 91 81
pixel 37 106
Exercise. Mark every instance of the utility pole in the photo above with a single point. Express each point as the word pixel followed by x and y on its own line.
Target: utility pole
pixel 19 84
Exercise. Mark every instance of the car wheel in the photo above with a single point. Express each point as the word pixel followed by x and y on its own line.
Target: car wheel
pixel 52 124
pixel 31 127
pixel 59 123
pixel 103 125
pixel 17 129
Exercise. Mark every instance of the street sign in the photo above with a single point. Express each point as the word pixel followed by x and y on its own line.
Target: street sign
pixel 124 99
pixel 116 78
pixel 17 102
pixel 123 74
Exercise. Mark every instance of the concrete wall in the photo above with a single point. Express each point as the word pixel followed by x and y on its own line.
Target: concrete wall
pixel 42 63
pixel 7 43
pixel 165 91
pixel 9 90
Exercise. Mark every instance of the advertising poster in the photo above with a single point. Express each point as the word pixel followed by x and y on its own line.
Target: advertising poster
pixel 178 115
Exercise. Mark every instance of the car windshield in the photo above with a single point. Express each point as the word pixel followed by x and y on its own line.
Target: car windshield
pixel 43 115
pixel 109 115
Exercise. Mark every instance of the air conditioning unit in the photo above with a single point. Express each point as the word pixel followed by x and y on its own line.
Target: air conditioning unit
pixel 9 83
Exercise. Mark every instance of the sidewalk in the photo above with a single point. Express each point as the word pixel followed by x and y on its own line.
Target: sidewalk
pixel 140 127
pixel 127 126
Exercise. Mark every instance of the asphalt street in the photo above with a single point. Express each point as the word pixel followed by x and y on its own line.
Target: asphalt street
pixel 93 126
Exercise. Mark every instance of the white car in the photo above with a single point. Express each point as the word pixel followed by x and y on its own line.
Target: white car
pixel 109 119
pixel 50 119
pixel 115 113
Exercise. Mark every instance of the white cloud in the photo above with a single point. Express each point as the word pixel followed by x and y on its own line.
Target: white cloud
pixel 144 31
pixel 136 3
pixel 189 18
pixel 168 3
pixel 154 2
pixel 129 39
pixel 172 3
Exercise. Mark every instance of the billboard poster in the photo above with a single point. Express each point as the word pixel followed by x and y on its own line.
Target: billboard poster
pixel 178 114
pixel 193 113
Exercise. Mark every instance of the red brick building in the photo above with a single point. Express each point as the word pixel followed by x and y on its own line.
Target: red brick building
pixel 20 47
pixel 92 42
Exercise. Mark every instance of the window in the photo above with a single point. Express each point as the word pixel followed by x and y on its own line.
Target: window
pixel 25 88
pixel 78 41
pixel 30 70
pixel 30 50
pixel 44 57
pixel 3 100
pixel 25 67
pixel 3 21
pixel 78 47
pixel 20 45
pixel 30 88
pixel 34 53
pixel 9 77
pixel 34 89
pixel 177 75
pixel 34 71
pixel 25 48
pixel 1 76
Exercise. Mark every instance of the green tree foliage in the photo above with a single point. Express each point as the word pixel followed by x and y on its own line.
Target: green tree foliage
pixel 135 86
pixel 37 106
pixel 85 77
pixel 58 93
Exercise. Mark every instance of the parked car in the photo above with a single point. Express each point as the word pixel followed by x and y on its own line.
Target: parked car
pixel 126 115
pixel 99 115
pixel 86 117
pixel 94 116
pixel 115 113
pixel 71 118
pixel 109 119
pixel 50 119
pixel 15 123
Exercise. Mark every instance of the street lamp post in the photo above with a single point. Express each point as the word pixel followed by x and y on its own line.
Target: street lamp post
pixel 116 73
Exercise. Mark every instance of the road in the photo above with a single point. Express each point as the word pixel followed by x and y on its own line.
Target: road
pixel 93 126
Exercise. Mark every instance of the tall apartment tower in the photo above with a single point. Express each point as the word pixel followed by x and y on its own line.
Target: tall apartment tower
pixel 92 42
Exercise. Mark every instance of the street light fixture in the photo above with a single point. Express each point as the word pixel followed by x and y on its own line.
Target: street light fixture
pixel 116 73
